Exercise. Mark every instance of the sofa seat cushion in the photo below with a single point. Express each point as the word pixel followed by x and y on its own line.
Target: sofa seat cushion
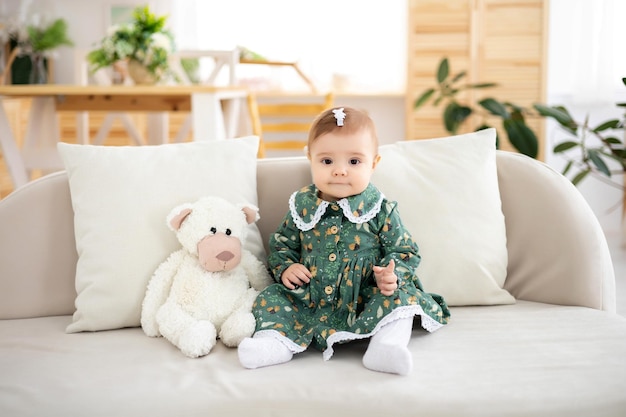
pixel 525 359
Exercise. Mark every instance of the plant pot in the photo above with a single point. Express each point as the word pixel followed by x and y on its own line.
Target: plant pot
pixel 39 69
pixel 27 68
pixel 140 74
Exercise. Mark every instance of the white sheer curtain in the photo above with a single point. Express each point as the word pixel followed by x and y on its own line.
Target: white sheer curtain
pixel 586 62
pixel 585 67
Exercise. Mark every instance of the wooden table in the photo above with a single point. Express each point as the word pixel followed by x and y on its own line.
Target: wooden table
pixel 214 114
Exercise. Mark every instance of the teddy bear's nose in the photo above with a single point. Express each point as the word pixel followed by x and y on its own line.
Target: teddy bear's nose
pixel 225 256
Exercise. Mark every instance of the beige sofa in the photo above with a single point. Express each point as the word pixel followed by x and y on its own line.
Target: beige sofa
pixel 560 350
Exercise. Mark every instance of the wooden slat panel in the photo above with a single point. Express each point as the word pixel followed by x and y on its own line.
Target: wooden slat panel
pixel 436 29
pixel 500 41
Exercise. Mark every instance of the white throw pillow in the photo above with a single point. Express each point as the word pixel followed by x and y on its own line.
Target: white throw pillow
pixel 121 196
pixel 448 198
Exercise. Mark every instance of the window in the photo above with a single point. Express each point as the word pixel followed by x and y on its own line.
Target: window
pixel 364 40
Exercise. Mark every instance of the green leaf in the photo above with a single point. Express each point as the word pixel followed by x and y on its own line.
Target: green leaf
pixel 522 137
pixel 515 109
pixel 516 112
pixel 426 95
pixel 609 124
pixel 567 167
pixel 558 114
pixel 50 37
pixel 619 157
pixel 562 147
pixel 458 76
pixel 597 160
pixel 454 115
pixel 580 176
pixel 481 85
pixel 613 140
pixel 494 107
pixel 443 70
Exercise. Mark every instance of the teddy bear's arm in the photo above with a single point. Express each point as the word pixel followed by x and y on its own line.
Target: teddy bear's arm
pixel 256 271
pixel 158 290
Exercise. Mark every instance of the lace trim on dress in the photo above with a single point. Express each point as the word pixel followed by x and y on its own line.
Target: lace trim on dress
pixel 319 212
pixel 428 323
pixel 300 223
pixel 363 218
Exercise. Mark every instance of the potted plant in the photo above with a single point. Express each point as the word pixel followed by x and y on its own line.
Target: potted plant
pixel 456 113
pixel 144 44
pixel 590 149
pixel 32 48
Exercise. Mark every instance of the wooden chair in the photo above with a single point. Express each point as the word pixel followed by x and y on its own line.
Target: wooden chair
pixel 282 122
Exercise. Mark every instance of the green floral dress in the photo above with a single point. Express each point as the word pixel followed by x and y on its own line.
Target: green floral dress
pixel 340 242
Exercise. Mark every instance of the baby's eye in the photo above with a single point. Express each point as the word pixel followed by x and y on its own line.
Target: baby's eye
pixel 213 230
pixel 327 161
pixel 355 161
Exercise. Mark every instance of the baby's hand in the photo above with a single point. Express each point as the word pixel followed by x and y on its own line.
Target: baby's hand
pixel 386 278
pixel 295 275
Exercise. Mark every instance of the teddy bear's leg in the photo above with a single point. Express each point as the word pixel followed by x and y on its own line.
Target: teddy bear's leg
pixel 193 337
pixel 241 323
pixel 237 327
pixel 198 339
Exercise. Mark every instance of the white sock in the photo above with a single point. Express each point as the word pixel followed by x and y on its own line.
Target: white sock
pixel 388 349
pixel 257 352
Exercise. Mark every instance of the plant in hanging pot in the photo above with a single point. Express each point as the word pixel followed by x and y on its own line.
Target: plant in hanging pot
pixel 144 44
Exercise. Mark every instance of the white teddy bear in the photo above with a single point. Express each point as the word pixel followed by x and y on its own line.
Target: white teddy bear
pixel 206 289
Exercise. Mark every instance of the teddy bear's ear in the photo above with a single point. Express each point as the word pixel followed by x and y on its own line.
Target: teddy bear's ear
pixel 251 212
pixel 177 219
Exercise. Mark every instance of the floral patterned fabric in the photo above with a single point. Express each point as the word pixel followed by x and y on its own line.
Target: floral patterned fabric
pixel 340 242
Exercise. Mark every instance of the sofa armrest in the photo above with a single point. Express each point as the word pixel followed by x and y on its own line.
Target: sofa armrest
pixel 557 250
pixel 37 250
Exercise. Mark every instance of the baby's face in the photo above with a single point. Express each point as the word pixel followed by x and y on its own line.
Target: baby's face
pixel 342 163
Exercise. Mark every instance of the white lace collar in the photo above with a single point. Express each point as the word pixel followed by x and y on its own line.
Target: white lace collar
pixel 307 208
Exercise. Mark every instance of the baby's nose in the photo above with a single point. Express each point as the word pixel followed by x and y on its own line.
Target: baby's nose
pixel 339 171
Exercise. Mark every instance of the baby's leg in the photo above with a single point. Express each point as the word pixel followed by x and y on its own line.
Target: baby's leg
pixel 388 351
pixel 256 352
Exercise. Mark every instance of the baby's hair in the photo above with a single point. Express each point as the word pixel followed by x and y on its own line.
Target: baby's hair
pixel 354 121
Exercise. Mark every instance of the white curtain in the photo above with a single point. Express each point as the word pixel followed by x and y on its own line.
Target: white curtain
pixel 582 50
